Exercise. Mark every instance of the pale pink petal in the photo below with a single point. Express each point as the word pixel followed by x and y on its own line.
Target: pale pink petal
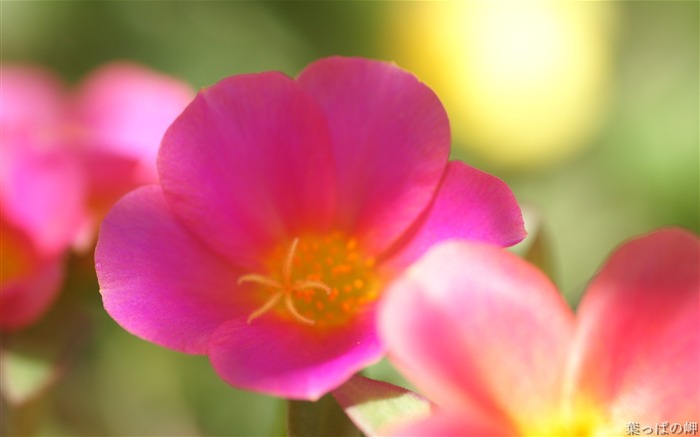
pixel 124 108
pixel 110 177
pixel 42 191
pixel 248 164
pixel 291 360
pixel 470 205
pixel 40 185
pixel 637 349
pixel 158 281
pixel 32 98
pixel 464 424
pixel 391 141
pixel 477 328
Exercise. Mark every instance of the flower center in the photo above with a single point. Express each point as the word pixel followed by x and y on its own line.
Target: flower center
pixel 322 281
pixel 583 421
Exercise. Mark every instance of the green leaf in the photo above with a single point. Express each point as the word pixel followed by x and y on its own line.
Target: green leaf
pixel 376 406
pixel 24 376
pixel 321 418
pixel 32 360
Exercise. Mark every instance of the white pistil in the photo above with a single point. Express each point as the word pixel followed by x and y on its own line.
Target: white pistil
pixel 292 309
pixel 287 266
pixel 266 307
pixel 260 279
pixel 286 287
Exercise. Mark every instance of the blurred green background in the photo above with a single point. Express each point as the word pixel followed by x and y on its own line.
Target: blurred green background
pixel 588 110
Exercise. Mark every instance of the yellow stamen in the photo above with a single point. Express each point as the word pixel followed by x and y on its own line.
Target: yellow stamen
pixel 327 264
pixel 302 284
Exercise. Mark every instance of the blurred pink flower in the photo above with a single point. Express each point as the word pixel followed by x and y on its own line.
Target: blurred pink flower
pixel 284 207
pixel 489 339
pixel 118 117
pixel 65 158
pixel 42 193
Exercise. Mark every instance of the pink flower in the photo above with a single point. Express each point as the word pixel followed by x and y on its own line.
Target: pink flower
pixel 41 193
pixel 66 158
pixel 489 339
pixel 117 119
pixel 284 207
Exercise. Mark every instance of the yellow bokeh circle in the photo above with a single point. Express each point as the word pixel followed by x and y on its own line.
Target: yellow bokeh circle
pixel 526 84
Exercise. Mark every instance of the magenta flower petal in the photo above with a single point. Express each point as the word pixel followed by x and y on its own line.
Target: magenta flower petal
pixel 391 141
pixel 470 205
pixel 638 343
pixel 248 164
pixel 292 360
pixel 444 326
pixel 158 280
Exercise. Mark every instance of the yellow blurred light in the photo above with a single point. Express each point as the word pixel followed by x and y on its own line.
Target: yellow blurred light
pixel 525 83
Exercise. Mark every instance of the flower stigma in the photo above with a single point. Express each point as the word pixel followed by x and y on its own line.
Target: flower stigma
pixel 318 281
